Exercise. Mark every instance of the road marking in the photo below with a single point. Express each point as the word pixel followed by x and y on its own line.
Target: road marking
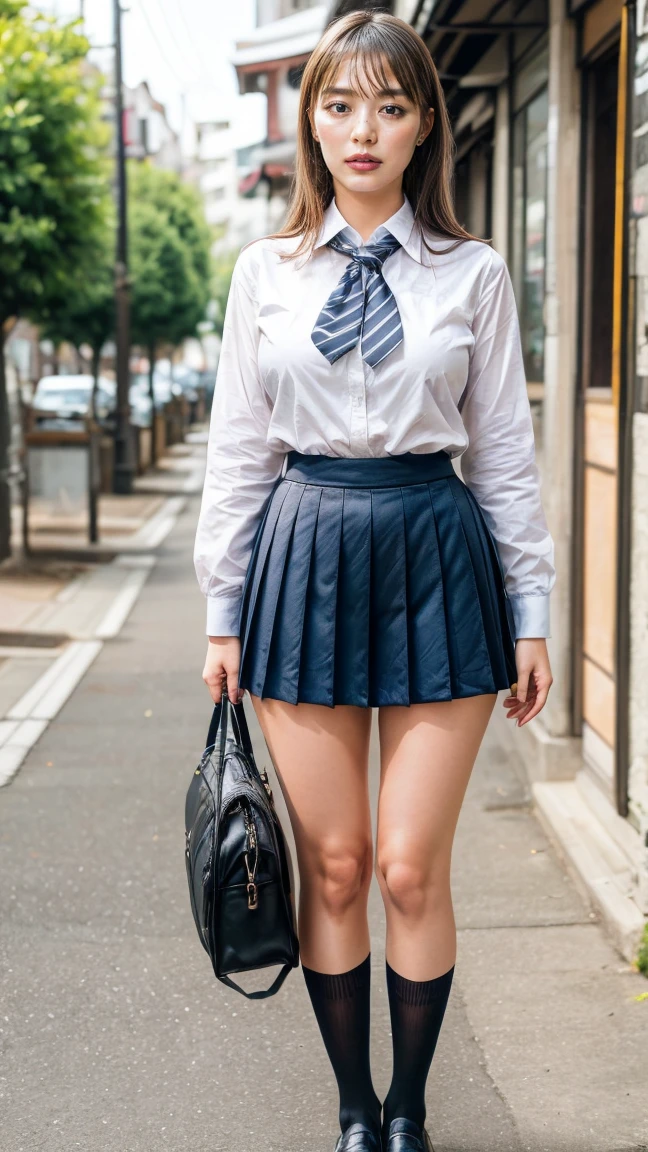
pixel 116 616
pixel 14 751
pixel 29 717
pixel 48 695
pixel 158 527
pixel 7 729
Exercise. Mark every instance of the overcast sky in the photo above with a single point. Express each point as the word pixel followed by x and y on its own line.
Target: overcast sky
pixel 178 46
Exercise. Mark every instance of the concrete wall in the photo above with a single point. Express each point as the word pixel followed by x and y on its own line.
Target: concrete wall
pixel 560 365
pixel 638 779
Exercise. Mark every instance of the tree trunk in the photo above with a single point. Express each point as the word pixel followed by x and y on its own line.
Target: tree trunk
pixel 151 359
pixel 5 441
pixel 96 360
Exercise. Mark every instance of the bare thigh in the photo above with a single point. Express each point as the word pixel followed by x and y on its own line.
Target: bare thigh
pixel 321 758
pixel 427 753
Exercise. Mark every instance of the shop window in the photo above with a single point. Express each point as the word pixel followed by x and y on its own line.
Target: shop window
pixel 600 143
pixel 528 230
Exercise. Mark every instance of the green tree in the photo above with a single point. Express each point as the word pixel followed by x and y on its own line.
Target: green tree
pixel 169 261
pixel 85 312
pixel 53 187
pixel 182 206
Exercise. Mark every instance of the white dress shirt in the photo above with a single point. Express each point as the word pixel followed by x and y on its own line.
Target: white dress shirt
pixel 456 382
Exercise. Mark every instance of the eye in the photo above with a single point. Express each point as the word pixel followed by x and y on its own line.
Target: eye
pixel 400 111
pixel 336 104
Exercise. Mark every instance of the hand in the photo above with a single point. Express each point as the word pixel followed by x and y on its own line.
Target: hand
pixel 223 662
pixel 533 682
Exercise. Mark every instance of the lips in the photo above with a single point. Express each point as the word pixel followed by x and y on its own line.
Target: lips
pixel 365 163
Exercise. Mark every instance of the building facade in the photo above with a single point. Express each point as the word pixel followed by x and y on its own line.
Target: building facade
pixel 149 136
pixel 271 59
pixel 549 115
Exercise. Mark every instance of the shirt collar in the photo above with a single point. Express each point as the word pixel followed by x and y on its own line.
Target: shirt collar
pixel 400 224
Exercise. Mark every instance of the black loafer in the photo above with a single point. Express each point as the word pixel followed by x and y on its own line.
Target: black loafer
pixel 358 1138
pixel 406 1136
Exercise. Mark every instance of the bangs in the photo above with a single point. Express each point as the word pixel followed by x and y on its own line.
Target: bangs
pixel 367 55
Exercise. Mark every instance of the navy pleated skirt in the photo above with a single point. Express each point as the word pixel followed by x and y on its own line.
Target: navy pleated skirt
pixel 374 581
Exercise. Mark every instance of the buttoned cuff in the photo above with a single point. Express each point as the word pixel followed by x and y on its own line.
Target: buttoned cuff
pixel 531 615
pixel 223 616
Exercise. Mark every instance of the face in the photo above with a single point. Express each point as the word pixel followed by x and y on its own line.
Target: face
pixel 387 126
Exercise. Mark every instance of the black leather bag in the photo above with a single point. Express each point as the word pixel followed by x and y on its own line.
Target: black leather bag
pixel 238 862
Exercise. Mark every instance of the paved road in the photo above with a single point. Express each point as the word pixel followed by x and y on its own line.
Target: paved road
pixel 115 1036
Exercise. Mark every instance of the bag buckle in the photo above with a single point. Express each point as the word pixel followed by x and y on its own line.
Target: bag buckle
pixel 252 890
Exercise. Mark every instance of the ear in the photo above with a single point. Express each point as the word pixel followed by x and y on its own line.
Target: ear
pixel 427 127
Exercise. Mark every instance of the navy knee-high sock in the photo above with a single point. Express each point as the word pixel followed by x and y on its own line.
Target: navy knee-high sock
pixel 417 1008
pixel 341 1005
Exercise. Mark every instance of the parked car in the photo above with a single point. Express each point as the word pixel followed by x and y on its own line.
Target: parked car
pixel 163 387
pixel 67 398
pixel 189 381
pixel 140 401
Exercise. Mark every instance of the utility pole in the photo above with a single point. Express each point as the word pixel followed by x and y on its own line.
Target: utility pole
pixel 124 467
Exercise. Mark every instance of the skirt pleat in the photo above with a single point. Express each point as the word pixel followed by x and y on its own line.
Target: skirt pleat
pixel 317 669
pixel 388 653
pixel 374 594
pixel 259 617
pixel 284 659
pixel 352 624
pixel 470 669
pixel 477 542
pixel 504 645
pixel 427 643
pixel 256 567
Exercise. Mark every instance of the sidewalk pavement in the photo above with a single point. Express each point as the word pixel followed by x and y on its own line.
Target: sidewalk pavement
pixel 60 604
pixel 117 1038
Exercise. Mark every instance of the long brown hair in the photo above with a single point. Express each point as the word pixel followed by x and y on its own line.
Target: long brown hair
pixel 369 38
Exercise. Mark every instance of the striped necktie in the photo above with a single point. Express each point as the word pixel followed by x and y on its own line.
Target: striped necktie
pixel 361 305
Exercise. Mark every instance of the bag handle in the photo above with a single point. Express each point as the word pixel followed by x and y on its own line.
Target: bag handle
pixel 239 721
pixel 237 715
pixel 264 992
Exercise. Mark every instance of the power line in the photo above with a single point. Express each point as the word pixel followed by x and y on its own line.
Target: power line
pixel 191 39
pixel 164 21
pixel 181 82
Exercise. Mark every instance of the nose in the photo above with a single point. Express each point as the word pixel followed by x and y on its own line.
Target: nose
pixel 363 129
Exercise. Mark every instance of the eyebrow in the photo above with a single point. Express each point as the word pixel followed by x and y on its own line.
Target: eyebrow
pixel 351 92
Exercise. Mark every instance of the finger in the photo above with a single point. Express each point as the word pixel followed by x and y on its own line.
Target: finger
pixel 523 684
pixel 527 707
pixel 216 691
pixel 529 711
pixel 214 681
pixel 538 705
pixel 232 686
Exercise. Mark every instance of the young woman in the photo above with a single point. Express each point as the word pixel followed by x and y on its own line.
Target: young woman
pixel 346 564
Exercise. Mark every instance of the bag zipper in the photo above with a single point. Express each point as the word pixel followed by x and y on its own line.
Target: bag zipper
pixel 252 853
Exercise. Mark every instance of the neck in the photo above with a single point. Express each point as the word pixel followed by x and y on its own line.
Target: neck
pixel 365 211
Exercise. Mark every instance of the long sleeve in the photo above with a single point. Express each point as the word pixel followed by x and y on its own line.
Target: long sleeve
pixel 241 468
pixel 499 465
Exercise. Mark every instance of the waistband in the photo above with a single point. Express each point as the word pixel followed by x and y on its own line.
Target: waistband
pixel 368 471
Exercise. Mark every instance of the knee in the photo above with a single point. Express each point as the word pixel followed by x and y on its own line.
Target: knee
pixel 342 874
pixel 412 884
